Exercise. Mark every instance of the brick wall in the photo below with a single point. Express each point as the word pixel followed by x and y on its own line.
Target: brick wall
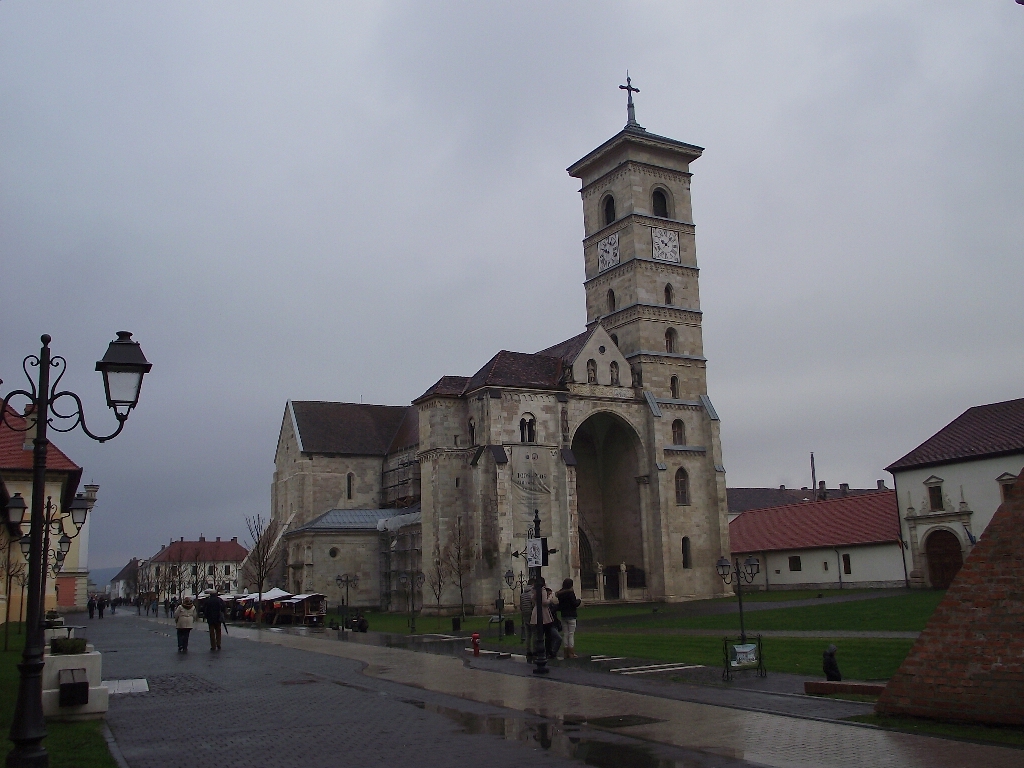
pixel 968 664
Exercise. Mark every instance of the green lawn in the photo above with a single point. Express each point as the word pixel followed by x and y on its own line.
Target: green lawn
pixel 904 613
pixel 71 745
pixel 858 659
pixel 784 595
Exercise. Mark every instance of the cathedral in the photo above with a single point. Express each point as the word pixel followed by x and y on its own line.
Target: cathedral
pixel 609 436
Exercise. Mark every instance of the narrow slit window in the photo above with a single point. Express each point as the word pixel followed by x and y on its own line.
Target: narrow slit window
pixel 668 294
pixel 348 486
pixel 687 557
pixel 678 433
pixel 847 565
pixel 674 387
pixel 682 488
pixel 611 300
pixel 670 340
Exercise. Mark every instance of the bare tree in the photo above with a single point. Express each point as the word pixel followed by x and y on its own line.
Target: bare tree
pixel 11 568
pixel 197 571
pixel 263 556
pixel 437 576
pixel 458 556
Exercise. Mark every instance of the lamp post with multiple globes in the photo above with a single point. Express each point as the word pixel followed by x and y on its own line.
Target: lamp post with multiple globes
pixel 735 574
pixel 122 367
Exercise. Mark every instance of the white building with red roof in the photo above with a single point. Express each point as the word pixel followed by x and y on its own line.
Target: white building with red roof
pixel 950 486
pixel 191 567
pixel 852 541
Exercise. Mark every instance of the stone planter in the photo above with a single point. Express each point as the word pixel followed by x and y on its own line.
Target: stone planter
pixel 91 662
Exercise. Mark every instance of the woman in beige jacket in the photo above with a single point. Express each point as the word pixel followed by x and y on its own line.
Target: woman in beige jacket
pixel 184 617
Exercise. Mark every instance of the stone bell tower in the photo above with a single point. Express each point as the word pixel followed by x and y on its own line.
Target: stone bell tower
pixel 641 263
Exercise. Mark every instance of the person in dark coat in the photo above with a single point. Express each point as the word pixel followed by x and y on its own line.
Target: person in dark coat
pixel 567 605
pixel 830 666
pixel 91 605
pixel 213 610
pixel 101 605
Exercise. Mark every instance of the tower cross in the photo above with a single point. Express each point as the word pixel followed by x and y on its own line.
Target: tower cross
pixel 630 110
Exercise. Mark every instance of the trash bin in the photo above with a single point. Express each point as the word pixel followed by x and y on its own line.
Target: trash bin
pixel 456 623
pixel 510 627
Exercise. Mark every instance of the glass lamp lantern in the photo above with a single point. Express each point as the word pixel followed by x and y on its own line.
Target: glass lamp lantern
pixel 752 566
pixel 17 510
pixel 79 508
pixel 723 567
pixel 510 578
pixel 123 367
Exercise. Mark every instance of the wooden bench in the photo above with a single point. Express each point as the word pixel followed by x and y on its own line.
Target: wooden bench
pixel 823 688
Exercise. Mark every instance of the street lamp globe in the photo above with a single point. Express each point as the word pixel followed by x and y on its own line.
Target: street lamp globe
pixel 123 367
pixel 723 567
pixel 64 543
pixel 510 578
pixel 752 566
pixel 79 508
pixel 26 546
pixel 17 509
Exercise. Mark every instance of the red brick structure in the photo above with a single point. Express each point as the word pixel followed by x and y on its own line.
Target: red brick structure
pixel 968 664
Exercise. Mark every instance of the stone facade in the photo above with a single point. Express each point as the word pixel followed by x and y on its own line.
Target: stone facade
pixel 608 436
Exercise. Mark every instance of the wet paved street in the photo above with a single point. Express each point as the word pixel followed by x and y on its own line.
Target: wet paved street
pixel 275 698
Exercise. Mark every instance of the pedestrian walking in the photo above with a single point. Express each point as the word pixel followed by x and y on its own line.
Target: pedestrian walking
pixel 213 610
pixel 91 605
pixel 184 617
pixel 552 640
pixel 567 605
pixel 101 605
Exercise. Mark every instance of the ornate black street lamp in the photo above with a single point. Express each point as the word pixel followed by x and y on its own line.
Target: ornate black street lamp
pixel 737 575
pixel 123 367
pixel 412 582
pixel 346 581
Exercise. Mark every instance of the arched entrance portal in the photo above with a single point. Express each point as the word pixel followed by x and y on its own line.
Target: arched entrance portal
pixel 944 558
pixel 608 500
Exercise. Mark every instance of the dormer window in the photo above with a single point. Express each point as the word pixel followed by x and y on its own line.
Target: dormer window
pixel 611 300
pixel 591 371
pixel 660 204
pixel 528 428
pixel 609 210
pixel 668 294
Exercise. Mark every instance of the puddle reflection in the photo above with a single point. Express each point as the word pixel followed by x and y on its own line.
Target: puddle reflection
pixel 569 738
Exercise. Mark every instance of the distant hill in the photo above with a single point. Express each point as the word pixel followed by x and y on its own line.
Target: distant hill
pixel 102 576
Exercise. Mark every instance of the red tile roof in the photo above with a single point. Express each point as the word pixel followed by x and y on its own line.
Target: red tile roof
pixel 208 552
pixel 12 451
pixel 868 519
pixel 984 430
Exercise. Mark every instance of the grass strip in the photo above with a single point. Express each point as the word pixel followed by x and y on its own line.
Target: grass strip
pixel 990 734
pixel 71 745
pixel 859 659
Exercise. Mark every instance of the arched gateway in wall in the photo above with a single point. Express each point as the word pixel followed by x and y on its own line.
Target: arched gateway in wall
pixel 945 557
pixel 608 455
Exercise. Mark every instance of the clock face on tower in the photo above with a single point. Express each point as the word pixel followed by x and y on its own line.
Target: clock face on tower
pixel 666 244
pixel 608 252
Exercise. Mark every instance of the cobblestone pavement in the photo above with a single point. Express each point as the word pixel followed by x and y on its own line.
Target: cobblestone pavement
pixel 257 704
pixel 276 698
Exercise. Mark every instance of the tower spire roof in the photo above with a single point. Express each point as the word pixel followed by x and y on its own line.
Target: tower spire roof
pixel 631 122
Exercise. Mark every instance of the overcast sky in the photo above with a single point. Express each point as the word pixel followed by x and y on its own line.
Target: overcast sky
pixel 335 202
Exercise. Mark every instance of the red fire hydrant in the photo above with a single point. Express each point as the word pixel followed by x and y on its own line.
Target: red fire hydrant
pixel 476 643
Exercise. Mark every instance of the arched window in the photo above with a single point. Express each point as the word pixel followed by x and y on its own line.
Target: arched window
pixel 348 486
pixel 615 340
pixel 682 488
pixel 668 293
pixel 678 433
pixel 613 369
pixel 609 210
pixel 660 204
pixel 611 300
pixel 670 340
pixel 591 371
pixel 673 387
pixel 528 428
pixel 472 431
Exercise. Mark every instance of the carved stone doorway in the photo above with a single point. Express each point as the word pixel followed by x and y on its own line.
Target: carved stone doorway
pixel 944 558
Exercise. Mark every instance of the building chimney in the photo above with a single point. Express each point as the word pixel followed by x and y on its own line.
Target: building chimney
pixel 182 538
pixel 844 489
pixel 202 538
pixel 822 491
pixel 782 487
pixel 234 538
pixel 218 538
pixel 881 485
pixel 90 493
